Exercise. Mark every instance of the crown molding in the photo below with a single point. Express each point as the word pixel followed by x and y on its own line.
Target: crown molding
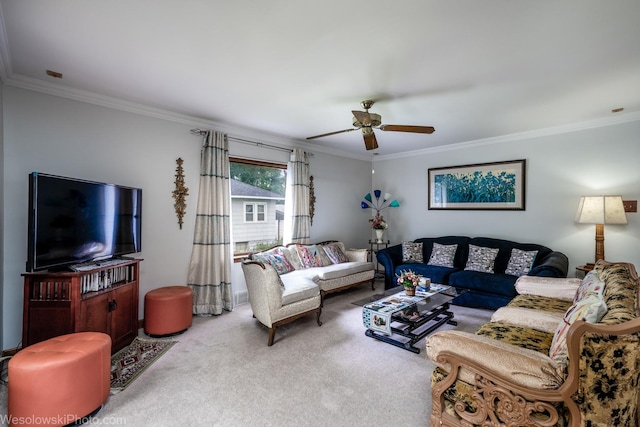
pixel 538 133
pixel 62 91
pixel 67 92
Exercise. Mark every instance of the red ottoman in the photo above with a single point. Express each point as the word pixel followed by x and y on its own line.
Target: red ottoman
pixel 168 310
pixel 60 380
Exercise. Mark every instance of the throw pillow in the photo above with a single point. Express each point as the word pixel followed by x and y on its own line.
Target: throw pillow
pixel 442 255
pixel 272 251
pixel 335 254
pixel 481 259
pixel 590 309
pixel 520 262
pixel 590 284
pixel 412 252
pixel 324 259
pixel 309 256
pixel 280 263
pixel 275 259
pixel 292 256
pixel 260 258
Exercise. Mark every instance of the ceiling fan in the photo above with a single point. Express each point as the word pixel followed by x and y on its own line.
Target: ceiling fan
pixel 367 121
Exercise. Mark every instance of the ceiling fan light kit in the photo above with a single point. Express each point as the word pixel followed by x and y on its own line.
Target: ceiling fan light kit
pixel 362 120
pixel 366 121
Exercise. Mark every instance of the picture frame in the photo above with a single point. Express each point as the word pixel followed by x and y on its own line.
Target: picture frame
pixel 480 186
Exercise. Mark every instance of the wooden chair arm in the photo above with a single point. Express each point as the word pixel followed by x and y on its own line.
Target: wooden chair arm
pixel 515 404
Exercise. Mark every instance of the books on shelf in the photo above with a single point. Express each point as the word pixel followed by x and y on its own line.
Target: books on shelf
pixel 103 279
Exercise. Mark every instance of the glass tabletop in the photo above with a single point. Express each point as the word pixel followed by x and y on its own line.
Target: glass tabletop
pixel 444 296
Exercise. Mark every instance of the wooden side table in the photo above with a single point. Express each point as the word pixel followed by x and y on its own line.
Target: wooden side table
pixel 372 252
pixel 582 270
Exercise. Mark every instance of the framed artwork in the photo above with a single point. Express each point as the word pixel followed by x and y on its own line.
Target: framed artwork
pixel 483 186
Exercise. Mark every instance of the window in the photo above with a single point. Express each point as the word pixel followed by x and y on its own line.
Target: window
pixel 255 212
pixel 257 204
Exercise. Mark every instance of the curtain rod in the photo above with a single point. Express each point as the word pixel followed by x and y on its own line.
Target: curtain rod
pixel 245 141
pixel 259 144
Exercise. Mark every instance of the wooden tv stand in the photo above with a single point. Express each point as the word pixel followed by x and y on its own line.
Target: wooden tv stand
pixel 102 299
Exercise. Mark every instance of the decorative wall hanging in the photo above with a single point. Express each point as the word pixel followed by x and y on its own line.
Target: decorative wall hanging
pixel 378 204
pixel 482 186
pixel 180 193
pixel 312 199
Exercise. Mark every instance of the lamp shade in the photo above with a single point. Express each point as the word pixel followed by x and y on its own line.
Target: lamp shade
pixel 601 210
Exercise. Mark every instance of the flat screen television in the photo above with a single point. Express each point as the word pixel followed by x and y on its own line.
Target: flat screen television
pixel 73 221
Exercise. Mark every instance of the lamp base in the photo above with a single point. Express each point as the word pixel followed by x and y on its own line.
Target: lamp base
pixel 599 242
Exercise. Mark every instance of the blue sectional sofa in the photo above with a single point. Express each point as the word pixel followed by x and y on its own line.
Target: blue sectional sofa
pixel 490 290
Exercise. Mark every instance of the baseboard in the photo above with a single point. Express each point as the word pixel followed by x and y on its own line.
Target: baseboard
pixel 240 298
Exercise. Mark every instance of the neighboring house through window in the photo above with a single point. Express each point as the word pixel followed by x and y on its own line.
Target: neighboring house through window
pixel 257 204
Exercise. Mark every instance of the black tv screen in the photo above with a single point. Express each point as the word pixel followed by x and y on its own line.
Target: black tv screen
pixel 73 221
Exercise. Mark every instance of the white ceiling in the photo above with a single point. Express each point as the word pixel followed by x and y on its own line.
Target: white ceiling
pixel 472 69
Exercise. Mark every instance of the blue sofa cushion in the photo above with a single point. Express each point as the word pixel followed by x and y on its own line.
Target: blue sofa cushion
pixel 436 273
pixel 481 300
pixel 488 283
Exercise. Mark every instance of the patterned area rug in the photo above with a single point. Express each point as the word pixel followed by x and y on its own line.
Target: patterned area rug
pixel 131 361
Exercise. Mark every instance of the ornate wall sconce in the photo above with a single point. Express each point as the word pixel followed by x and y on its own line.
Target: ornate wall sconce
pixel 180 193
pixel 312 199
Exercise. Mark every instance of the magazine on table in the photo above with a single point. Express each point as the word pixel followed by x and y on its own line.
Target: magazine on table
pixel 433 289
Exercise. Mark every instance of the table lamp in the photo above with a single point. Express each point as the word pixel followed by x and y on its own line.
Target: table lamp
pixel 600 210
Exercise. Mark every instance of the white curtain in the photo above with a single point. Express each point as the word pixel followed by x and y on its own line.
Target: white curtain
pixel 210 266
pixel 297 221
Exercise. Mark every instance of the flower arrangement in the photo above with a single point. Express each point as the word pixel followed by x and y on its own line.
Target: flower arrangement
pixel 378 222
pixel 408 279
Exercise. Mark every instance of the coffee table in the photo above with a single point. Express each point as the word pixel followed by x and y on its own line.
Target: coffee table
pixel 402 321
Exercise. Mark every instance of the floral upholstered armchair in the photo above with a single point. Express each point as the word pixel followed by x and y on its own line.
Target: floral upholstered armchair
pixel 555 356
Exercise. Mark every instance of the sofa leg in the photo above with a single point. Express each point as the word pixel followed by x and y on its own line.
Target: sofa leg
pixel 272 335
pixel 318 316
pixel 373 284
pixel 322 294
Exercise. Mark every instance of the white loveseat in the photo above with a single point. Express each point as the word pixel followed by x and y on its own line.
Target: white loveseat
pixel 287 282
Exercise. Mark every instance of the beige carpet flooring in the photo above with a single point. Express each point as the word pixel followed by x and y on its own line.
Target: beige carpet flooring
pixel 222 373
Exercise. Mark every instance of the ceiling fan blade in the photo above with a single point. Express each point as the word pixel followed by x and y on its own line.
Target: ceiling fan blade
pixel 370 141
pixel 363 117
pixel 403 128
pixel 331 133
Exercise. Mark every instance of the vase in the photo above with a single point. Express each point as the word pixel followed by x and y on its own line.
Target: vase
pixel 411 292
pixel 379 234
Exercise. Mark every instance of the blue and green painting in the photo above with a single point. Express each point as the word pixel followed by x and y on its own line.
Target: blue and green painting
pixel 475 187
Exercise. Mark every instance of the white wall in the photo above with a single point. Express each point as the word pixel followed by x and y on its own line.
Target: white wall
pixel 65 137
pixel 560 169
